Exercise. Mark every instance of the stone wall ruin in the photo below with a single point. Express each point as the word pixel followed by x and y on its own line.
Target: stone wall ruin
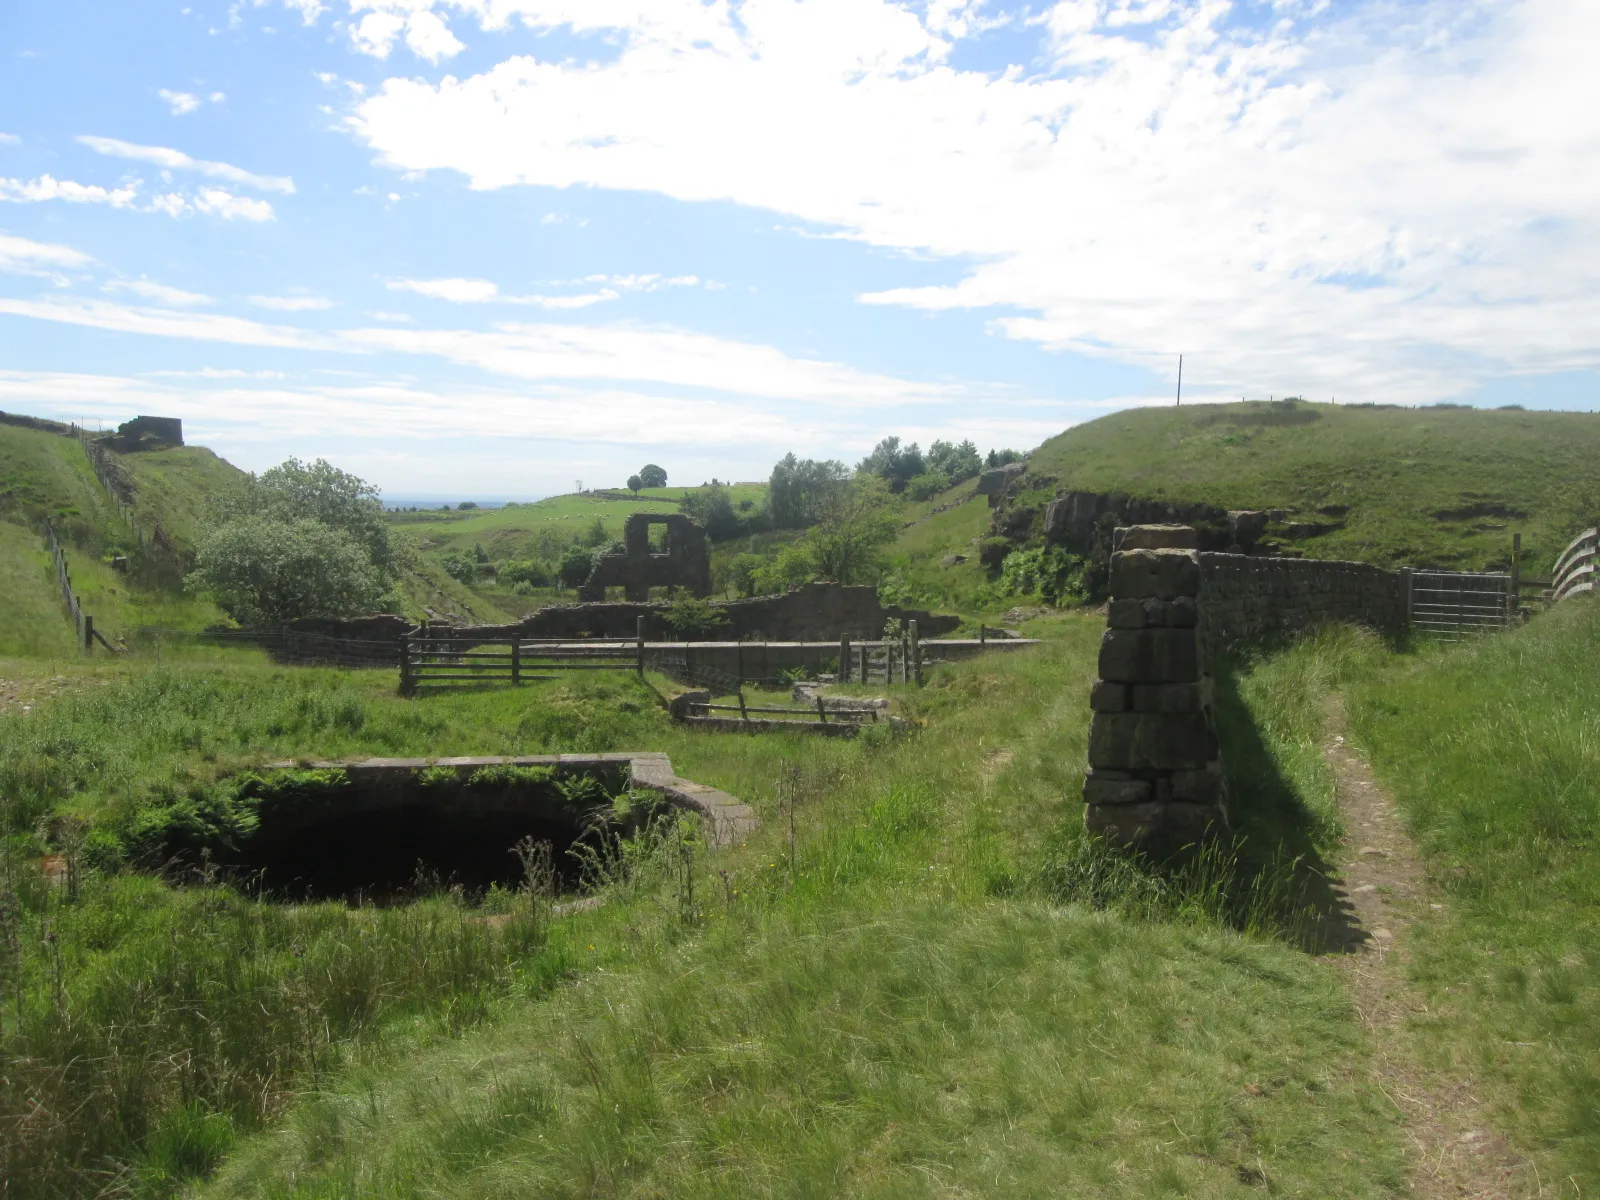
pixel 685 563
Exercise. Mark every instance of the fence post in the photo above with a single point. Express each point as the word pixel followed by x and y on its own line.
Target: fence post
pixel 88 634
pixel 822 713
pixel 1405 582
pixel 516 662
pixel 743 716
pixel 916 656
pixel 638 643
pixel 844 658
pixel 406 685
pixel 1514 601
pixel 981 632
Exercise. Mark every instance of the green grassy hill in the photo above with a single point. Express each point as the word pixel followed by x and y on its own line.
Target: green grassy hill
pixel 47 476
pixel 1419 486
pixel 177 486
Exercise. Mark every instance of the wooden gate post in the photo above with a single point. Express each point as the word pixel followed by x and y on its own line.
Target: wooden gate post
pixel 1405 582
pixel 1514 601
pixel 638 644
pixel 406 686
pixel 844 658
pixel 88 634
pixel 916 656
pixel 516 662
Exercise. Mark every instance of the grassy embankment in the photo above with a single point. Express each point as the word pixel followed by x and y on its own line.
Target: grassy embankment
pixel 45 476
pixel 1421 486
pixel 945 988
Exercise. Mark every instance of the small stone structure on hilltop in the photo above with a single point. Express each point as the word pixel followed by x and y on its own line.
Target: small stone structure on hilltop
pixel 685 563
pixel 147 433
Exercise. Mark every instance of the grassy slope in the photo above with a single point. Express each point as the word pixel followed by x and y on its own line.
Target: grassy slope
pixel 1395 468
pixel 919 1004
pixel 45 475
pixel 512 532
pixel 34 624
pixel 916 559
pixel 1493 753
pixel 177 487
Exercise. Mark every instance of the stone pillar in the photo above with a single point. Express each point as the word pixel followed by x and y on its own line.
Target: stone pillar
pixel 1155 771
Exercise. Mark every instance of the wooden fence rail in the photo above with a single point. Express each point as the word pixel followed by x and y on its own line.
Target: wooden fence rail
pixel 1574 571
pixel 444 657
pixel 893 660
pixel 84 632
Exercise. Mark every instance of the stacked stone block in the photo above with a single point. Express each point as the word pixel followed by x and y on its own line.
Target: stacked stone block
pixel 1244 599
pixel 1155 772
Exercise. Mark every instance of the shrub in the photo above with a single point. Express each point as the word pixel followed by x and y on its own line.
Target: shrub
pixel 688 615
pixel 927 485
pixel 263 571
pixel 575 566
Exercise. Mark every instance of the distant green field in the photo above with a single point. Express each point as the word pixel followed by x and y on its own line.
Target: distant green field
pixel 513 532
pixel 1419 486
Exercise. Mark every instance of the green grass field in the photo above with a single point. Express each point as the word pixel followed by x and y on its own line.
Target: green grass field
pixel 1421 486
pixel 35 623
pixel 942 988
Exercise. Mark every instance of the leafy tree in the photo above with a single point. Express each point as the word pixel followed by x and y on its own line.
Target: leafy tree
pixel 634 484
pixel 263 570
pixel 927 485
pixel 1001 458
pixel 466 505
pixel 801 489
pixel 529 571
pixel 652 476
pixel 689 615
pixel 954 462
pixel 459 567
pixel 847 544
pixel 711 507
pixel 595 534
pixel 575 566
pixel 743 572
pixel 896 465
pixel 296 491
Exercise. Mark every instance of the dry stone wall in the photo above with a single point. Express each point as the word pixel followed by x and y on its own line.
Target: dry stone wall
pixel 1244 599
pixel 1155 765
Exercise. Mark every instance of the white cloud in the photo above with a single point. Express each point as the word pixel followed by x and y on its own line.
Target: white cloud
pixel 309 10
pixel 1392 201
pixel 9 139
pixel 181 103
pixel 292 303
pixel 146 289
pixel 484 291
pixel 214 202
pixel 675 358
pixel 177 160
pixel 457 291
pixel 156 322
pixel 426 34
pixel 22 256
pixel 47 187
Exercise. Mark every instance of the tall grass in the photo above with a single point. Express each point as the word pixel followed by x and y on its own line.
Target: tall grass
pixel 1493 751
pixel 891 988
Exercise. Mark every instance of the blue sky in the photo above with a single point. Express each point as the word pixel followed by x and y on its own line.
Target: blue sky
pixel 492 247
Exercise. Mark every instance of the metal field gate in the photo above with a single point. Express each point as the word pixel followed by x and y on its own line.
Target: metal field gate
pixel 1453 603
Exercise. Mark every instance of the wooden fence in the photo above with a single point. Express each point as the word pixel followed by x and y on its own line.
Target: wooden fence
pixel 446 657
pixel 836 710
pixel 1574 573
pixel 84 631
pixel 893 660
pixel 113 477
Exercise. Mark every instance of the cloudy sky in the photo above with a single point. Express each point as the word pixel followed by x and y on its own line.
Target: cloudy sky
pixel 491 247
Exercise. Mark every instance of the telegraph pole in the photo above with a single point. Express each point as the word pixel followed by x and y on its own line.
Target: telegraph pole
pixel 1180 381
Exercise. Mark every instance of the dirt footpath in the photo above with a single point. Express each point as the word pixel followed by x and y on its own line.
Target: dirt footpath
pixel 1455 1151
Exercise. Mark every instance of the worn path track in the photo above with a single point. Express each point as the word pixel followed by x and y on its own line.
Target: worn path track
pixel 1455 1150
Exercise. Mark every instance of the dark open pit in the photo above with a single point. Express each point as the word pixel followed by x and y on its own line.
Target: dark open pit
pixel 385 831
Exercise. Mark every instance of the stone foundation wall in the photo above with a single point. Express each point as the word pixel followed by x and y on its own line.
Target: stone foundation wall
pixel 1243 599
